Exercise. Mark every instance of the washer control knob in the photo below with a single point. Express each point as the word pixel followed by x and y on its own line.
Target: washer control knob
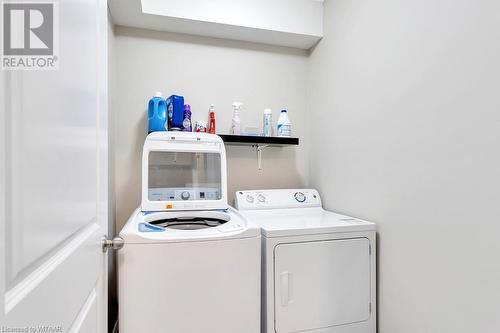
pixel 185 195
pixel 249 198
pixel 300 197
pixel 261 198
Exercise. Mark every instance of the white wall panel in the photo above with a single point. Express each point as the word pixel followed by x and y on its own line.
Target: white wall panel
pixel 205 71
pixel 409 94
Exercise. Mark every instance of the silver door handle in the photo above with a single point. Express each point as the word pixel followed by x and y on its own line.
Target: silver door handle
pixel 114 244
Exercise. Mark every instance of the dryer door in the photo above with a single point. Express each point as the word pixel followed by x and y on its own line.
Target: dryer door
pixel 321 284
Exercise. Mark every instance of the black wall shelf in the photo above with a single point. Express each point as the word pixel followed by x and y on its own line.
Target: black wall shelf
pixel 250 140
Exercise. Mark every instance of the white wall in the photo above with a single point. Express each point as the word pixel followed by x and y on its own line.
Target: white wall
pixel 205 71
pixel 408 92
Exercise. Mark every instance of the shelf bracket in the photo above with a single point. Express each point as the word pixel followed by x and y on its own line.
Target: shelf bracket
pixel 259 149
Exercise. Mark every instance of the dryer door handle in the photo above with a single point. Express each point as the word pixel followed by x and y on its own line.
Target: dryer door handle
pixel 286 288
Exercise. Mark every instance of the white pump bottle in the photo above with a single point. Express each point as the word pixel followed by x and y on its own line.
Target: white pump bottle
pixel 236 122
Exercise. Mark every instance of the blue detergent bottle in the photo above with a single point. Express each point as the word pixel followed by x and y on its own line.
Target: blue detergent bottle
pixel 175 107
pixel 157 113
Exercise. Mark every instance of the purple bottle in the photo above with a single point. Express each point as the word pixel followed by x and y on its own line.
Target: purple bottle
pixel 186 124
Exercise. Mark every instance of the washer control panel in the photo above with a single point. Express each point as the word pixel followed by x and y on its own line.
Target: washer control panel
pixel 276 199
pixel 183 193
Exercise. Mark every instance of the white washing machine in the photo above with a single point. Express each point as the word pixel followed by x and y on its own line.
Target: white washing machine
pixel 189 263
pixel 318 267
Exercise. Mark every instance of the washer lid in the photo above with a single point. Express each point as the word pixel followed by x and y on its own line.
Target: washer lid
pixel 183 171
pixel 163 227
pixel 304 221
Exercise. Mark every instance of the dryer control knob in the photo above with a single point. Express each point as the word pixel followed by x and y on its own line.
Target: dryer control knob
pixel 185 195
pixel 261 198
pixel 249 198
pixel 300 197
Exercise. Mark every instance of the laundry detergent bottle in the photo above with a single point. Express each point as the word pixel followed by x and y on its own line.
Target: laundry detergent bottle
pixel 186 124
pixel 157 113
pixel 284 127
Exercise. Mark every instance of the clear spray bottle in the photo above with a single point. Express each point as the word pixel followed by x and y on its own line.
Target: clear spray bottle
pixel 236 122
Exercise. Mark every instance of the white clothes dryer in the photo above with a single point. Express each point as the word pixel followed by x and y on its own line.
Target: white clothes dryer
pixel 318 267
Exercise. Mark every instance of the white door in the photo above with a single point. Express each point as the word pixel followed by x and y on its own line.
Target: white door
pixel 321 284
pixel 53 177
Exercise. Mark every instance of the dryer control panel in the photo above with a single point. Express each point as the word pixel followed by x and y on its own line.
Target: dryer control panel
pixel 277 199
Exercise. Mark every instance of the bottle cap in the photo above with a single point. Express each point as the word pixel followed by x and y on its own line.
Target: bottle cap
pixel 158 94
pixel 187 107
pixel 268 111
pixel 237 105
